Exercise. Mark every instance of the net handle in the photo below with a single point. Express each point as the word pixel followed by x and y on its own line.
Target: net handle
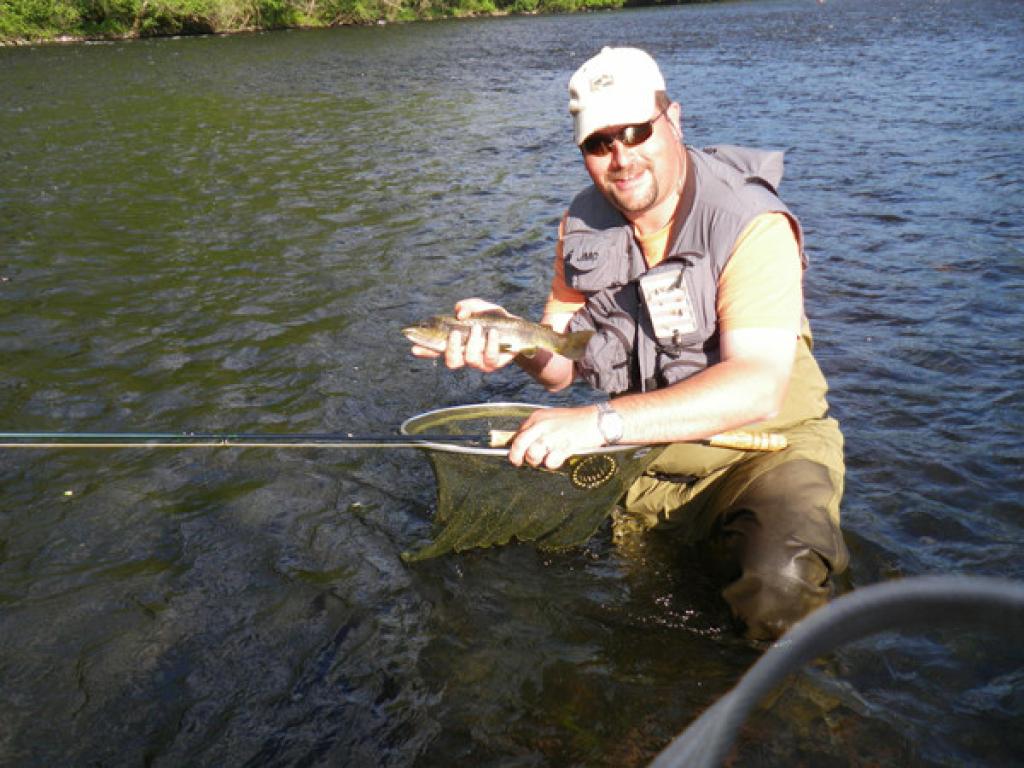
pixel 737 440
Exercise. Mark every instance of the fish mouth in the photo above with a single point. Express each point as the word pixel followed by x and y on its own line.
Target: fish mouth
pixel 421 339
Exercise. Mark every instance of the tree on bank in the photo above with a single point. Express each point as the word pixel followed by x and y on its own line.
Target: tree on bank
pixel 37 20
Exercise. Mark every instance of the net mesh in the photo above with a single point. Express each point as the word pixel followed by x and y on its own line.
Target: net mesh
pixel 484 501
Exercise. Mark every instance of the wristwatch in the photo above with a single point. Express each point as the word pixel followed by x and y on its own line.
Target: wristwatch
pixel 609 423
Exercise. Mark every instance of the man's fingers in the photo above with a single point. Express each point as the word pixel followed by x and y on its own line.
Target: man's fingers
pixel 453 353
pixel 474 354
pixel 492 349
pixel 517 449
pixel 555 458
pixel 469 307
pixel 534 447
pixel 426 352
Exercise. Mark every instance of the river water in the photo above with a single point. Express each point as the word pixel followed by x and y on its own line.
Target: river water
pixel 228 234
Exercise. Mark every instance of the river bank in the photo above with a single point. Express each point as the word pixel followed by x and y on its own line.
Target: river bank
pixel 30 22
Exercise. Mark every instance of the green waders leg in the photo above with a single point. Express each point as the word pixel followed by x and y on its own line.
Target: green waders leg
pixel 779 535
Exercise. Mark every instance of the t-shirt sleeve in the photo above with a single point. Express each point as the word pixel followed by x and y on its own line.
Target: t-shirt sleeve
pixel 761 285
pixel 562 299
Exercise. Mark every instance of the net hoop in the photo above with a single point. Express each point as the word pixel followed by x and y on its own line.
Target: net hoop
pixel 479 410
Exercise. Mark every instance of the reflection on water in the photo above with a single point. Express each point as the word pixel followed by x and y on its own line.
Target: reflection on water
pixel 229 233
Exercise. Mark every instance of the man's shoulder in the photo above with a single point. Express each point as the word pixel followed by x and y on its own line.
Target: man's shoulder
pixel 591 210
pixel 737 180
pixel 586 198
pixel 752 165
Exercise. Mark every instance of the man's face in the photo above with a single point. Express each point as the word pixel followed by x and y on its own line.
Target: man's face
pixel 637 179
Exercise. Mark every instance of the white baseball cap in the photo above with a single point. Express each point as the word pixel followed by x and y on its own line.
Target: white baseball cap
pixel 615 87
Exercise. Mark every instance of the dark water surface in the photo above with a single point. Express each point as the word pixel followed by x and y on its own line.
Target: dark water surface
pixel 228 233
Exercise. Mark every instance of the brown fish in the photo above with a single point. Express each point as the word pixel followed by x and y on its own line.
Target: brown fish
pixel 515 335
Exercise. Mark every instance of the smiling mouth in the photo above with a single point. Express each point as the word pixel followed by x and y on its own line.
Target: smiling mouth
pixel 625 180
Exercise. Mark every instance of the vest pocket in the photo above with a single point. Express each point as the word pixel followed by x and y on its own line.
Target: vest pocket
pixel 607 362
pixel 672 369
pixel 588 267
pixel 675 315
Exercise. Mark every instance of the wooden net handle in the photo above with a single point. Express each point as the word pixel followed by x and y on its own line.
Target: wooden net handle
pixel 500 438
pixel 737 440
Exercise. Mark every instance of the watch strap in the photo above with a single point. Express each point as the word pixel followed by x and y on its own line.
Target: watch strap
pixel 609 423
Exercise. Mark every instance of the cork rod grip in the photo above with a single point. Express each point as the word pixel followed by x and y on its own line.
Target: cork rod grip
pixel 749 441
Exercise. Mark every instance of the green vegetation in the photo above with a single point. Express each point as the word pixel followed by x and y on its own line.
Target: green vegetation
pixel 37 20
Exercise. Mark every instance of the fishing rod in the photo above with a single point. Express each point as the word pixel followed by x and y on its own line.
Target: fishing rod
pixel 736 440
pixel 239 440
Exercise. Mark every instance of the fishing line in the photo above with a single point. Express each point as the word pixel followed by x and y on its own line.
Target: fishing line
pixel 929 601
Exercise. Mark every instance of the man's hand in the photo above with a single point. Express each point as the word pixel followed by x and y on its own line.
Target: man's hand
pixel 478 350
pixel 549 436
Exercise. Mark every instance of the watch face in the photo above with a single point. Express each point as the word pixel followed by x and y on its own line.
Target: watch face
pixel 610 424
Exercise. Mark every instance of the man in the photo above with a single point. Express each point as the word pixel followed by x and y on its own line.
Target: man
pixel 688 267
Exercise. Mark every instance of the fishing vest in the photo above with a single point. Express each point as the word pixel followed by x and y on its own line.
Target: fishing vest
pixel 656 326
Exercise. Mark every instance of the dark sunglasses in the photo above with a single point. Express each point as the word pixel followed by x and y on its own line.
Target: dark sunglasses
pixel 600 144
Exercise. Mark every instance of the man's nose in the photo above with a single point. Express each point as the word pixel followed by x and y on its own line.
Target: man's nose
pixel 619 153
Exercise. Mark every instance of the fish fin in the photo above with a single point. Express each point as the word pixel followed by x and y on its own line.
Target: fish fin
pixel 575 344
pixel 524 351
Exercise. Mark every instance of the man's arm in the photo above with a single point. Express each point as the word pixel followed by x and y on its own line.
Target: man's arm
pixel 748 385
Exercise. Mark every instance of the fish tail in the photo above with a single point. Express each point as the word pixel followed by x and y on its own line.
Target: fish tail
pixel 575 344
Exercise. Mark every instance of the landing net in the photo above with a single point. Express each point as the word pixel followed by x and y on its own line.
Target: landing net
pixel 484 501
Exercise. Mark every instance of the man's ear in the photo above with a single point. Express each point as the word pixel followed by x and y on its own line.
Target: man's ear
pixel 675 118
